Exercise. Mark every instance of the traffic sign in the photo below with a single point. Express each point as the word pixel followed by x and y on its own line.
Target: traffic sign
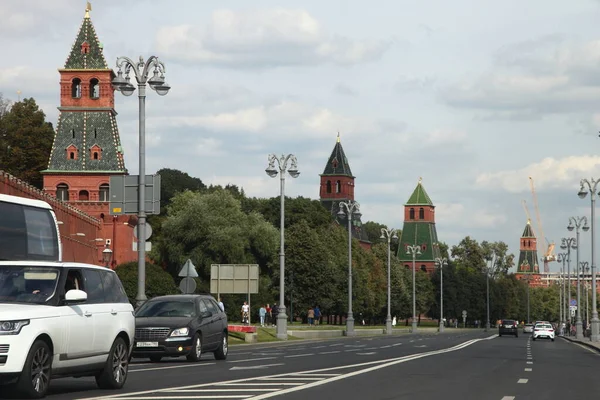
pixel 187 285
pixel 573 302
pixel 188 270
pixel 464 313
pixel 148 231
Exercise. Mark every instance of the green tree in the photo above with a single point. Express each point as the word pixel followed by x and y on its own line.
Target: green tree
pixel 173 181
pixel 26 140
pixel 158 281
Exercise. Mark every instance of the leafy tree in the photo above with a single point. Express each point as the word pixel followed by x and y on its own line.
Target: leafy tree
pixel 26 140
pixel 173 181
pixel 158 281
pixel 296 210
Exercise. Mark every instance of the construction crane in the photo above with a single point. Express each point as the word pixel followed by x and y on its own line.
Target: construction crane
pixel 549 253
pixel 526 210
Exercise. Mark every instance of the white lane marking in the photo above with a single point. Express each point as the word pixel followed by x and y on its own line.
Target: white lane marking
pixel 255 367
pixel 246 382
pixel 523 380
pixel 253 359
pixel 397 344
pixel 286 378
pixel 241 396
pixel 221 390
pixel 319 347
pixel 366 354
pixel 529 362
pixel 586 348
pixel 528 369
pixel 354 350
pixel 336 344
pixel 267 354
pixel 330 352
pixel 385 347
pixel 371 348
pixel 299 355
pixel 174 366
pixel 508 398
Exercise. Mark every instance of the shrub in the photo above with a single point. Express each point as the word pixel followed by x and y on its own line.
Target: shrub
pixel 158 281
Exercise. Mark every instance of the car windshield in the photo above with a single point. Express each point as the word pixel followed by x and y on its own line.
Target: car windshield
pixel 508 322
pixel 543 326
pixel 19 284
pixel 167 308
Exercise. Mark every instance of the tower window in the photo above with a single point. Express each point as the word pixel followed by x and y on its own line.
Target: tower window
pixel 95 155
pixel 76 88
pixel 328 186
pixel 423 268
pixel 334 163
pixel 62 192
pixel 85 48
pixel 72 152
pixel 423 247
pixel 338 187
pixel 411 213
pixel 96 152
pixel 73 133
pixel 72 155
pixel 95 134
pixel 421 213
pixel 84 195
pixel 94 89
pixel 103 193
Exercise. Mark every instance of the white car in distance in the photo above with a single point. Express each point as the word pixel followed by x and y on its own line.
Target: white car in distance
pixel 545 331
pixel 62 319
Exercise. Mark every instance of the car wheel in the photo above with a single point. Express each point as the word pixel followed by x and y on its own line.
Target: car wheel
pixel 221 352
pixel 552 339
pixel 35 377
pixel 114 374
pixel 516 335
pixel 500 334
pixel 533 338
pixel 196 352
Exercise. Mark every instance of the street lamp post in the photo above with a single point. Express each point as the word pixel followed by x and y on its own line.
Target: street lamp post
pixel 107 254
pixel 157 82
pixel 441 262
pixel 389 234
pixel 568 244
pixel 349 209
pixel 585 268
pixel 592 188
pixel 415 250
pixel 578 223
pixel 560 299
pixel 282 163
pixel 492 259
pixel 562 258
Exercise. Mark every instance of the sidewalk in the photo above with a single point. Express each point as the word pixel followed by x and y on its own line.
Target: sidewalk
pixel 585 342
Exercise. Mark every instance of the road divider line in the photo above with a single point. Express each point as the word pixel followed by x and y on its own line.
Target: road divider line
pixel 528 369
pixel 523 380
pixel 172 367
pixel 330 352
pixel 253 359
pixel 299 355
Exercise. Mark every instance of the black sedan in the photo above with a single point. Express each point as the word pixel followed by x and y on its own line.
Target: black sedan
pixel 180 325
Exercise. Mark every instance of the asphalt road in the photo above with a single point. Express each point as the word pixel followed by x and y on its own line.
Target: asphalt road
pixel 465 365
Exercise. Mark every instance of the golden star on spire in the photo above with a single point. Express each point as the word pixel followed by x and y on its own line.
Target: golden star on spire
pixel 88 8
pixel 338 137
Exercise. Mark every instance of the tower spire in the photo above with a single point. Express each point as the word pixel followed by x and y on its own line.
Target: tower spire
pixel 88 8
pixel 338 137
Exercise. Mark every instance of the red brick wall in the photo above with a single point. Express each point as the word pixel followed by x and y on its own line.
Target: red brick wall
pixel 106 99
pixel 428 210
pixel 347 187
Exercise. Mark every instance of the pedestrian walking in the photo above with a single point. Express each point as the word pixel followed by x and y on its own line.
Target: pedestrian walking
pixel 262 313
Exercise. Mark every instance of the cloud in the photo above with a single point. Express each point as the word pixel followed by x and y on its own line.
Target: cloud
pixel 547 75
pixel 263 38
pixel 549 173
pixel 412 83
pixel 32 18
pixel 344 90
pixel 456 214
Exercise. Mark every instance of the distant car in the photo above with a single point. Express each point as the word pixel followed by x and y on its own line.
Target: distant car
pixel 543 331
pixel 508 327
pixel 528 328
pixel 180 325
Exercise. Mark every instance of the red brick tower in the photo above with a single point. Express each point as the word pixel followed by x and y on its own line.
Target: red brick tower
pixel 87 148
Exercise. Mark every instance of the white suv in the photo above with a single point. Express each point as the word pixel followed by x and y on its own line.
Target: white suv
pixel 62 319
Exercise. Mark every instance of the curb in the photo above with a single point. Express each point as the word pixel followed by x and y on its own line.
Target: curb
pixel 586 344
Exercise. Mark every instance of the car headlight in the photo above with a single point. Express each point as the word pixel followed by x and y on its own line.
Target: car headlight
pixel 12 327
pixel 180 332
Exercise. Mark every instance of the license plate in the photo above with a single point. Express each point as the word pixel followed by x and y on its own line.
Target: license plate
pixel 508 326
pixel 147 344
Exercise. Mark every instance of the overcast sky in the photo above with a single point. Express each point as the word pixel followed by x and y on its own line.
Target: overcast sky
pixel 472 96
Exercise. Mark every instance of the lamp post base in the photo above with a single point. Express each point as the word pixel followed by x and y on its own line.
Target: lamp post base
pixel 487 327
pixel 595 324
pixel 139 300
pixel 441 326
pixel 579 330
pixel 414 326
pixel 350 326
pixel 281 324
pixel 388 325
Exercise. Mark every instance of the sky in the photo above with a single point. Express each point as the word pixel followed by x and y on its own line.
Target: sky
pixel 472 96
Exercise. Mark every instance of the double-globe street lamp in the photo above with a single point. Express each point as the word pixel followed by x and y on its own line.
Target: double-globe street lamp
pixel 578 223
pixel 441 262
pixel 492 259
pixel 415 250
pixel 389 234
pixel 560 295
pixel 282 164
pixel 568 244
pixel 585 268
pixel 562 258
pixel 350 209
pixel 141 71
pixel 592 189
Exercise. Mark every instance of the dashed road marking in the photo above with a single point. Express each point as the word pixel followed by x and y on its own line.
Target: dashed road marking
pixel 508 398
pixel 522 380
pixel 253 359
pixel 529 362
pixel 300 355
pixel 172 367
pixel 330 352
pixel 528 369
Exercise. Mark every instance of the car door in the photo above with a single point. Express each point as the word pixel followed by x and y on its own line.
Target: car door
pixel 117 308
pixel 79 322
pixel 213 322
pixel 100 309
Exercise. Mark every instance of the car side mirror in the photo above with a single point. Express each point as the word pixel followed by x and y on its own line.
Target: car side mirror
pixel 75 296
pixel 205 314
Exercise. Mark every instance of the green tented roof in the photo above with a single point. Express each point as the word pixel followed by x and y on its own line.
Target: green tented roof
pixel 419 197
pixel 422 234
pixel 528 231
pixel 93 58
pixel 337 163
pixel 528 262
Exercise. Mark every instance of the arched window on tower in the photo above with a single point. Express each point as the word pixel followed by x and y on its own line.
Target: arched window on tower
pixel 103 193
pixel 76 88
pixel 421 213
pixel 423 268
pixel 84 195
pixel 328 186
pixel 338 187
pixel 411 213
pixel 62 192
pixel 94 89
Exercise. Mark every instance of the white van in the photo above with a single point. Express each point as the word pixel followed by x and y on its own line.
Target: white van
pixel 28 230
